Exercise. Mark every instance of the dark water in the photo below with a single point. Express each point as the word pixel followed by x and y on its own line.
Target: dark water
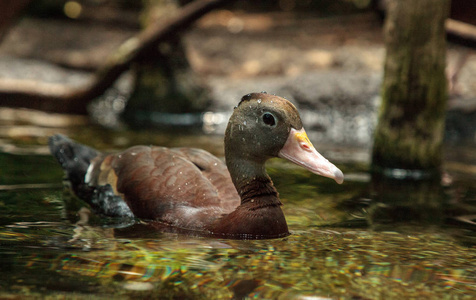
pixel 365 239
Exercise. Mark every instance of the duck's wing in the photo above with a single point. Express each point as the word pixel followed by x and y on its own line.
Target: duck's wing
pixel 217 173
pixel 168 185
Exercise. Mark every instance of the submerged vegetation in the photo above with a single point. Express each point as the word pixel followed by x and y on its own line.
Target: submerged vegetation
pixel 340 246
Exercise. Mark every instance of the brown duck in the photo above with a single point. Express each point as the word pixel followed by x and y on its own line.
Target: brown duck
pixel 190 190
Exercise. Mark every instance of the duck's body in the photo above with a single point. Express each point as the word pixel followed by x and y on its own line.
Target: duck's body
pixel 191 190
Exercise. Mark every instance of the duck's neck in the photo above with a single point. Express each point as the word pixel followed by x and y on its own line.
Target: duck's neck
pixel 253 183
pixel 260 214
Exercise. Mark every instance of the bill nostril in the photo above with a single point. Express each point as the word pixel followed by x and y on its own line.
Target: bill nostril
pixel 305 146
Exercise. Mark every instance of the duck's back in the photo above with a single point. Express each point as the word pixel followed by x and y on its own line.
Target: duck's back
pixel 156 180
pixel 183 187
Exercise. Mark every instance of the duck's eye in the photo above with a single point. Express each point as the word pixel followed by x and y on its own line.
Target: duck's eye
pixel 269 119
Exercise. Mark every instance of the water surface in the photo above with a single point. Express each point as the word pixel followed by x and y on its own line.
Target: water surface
pixel 360 240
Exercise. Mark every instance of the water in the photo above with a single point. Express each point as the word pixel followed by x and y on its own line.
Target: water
pixel 365 239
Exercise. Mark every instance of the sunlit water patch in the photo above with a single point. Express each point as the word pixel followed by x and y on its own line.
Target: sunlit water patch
pixel 318 263
pixel 358 240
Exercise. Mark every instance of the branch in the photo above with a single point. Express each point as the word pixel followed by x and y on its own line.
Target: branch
pixel 461 30
pixel 75 100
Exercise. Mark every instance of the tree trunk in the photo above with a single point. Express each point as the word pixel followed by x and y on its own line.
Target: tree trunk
pixel 165 82
pixel 9 12
pixel 410 128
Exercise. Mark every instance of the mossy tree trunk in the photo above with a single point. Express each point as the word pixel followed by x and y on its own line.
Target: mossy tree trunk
pixel 410 128
pixel 165 81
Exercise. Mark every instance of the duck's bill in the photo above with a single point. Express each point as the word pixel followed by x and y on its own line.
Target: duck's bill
pixel 299 150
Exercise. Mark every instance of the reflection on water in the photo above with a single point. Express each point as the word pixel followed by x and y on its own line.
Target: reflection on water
pixel 208 122
pixel 336 263
pixel 365 239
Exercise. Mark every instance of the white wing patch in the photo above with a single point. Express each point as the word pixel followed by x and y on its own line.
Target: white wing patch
pixel 87 177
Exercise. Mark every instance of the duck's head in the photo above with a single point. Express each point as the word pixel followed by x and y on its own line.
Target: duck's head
pixel 263 126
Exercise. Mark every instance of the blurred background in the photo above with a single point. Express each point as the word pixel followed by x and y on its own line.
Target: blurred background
pixel 325 56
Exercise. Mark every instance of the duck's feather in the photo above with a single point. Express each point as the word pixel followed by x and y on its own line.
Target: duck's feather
pixel 171 185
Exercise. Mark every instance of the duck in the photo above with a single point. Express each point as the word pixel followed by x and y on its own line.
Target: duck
pixel 188 190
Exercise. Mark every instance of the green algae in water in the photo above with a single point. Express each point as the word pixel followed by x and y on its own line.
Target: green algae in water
pixel 407 262
pixel 341 263
pixel 45 252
